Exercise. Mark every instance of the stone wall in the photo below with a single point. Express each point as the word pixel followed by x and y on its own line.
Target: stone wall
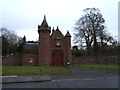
pixel 96 60
pixel 12 60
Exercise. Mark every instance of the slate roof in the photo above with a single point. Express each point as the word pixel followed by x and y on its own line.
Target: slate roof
pixel 67 34
pixel 30 47
pixel 57 34
pixel 44 24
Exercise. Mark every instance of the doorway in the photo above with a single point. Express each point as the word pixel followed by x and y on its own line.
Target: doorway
pixel 57 58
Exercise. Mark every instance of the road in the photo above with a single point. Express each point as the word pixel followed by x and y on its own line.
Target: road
pixel 69 83
pixel 82 79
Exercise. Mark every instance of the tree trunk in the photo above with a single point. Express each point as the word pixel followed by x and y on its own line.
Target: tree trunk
pixel 95 45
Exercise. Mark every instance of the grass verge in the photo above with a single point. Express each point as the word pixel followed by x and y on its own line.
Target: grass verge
pixel 34 70
pixel 99 67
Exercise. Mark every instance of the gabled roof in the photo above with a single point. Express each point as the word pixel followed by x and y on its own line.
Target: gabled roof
pixel 56 34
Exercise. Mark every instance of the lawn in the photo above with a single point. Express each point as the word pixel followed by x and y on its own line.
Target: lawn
pixel 34 70
pixel 99 67
pixel 52 70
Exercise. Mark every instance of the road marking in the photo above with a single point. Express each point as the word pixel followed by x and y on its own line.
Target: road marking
pixel 82 79
pixel 72 79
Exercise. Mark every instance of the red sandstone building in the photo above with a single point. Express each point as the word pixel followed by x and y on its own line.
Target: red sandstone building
pixel 53 48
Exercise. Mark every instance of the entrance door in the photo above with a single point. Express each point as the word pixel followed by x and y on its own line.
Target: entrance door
pixel 57 58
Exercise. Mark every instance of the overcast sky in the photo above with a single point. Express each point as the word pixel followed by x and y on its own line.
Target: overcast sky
pixel 23 16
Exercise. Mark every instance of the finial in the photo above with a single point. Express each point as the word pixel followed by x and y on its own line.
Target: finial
pixel 57 28
pixel 44 17
pixel 24 38
pixel 67 34
pixel 53 29
pixel 67 31
pixel 38 26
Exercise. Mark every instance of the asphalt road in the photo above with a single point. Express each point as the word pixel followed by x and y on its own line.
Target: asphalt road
pixel 82 79
pixel 69 83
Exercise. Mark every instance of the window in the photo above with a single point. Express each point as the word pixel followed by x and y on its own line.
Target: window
pixel 57 42
pixel 31 60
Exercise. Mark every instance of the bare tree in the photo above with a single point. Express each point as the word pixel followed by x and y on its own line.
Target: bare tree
pixel 10 40
pixel 89 27
pixel 11 36
pixel 90 32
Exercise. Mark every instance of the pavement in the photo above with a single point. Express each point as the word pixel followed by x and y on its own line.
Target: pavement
pixel 22 79
pixel 68 83
pixel 81 74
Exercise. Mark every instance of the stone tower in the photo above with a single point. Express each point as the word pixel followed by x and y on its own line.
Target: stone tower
pixel 44 53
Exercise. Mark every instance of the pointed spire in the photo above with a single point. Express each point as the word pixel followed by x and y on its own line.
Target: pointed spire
pixel 44 23
pixel 44 26
pixel 67 34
